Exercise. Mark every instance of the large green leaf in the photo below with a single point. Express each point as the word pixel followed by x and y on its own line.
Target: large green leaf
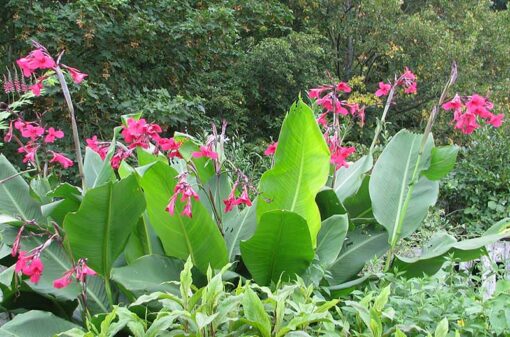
pixel 15 198
pixel 35 324
pixel 331 238
pixel 100 228
pixel 359 205
pixel 442 162
pixel 280 247
pixel 329 204
pixel 98 171
pixel 301 168
pixel 349 179
pixel 443 245
pixel 149 273
pixel 181 236
pixel 240 228
pixel 143 241
pixel 400 195
pixel 361 245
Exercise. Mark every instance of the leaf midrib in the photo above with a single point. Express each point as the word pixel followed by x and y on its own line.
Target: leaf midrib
pixel 363 243
pixel 300 177
pixel 106 232
pixel 397 222
pixel 243 222
pixel 277 245
pixel 21 212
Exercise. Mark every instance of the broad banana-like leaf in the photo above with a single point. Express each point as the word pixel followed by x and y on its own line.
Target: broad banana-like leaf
pixel 301 168
pixel 442 245
pixel 143 241
pixel 362 245
pixel 36 323
pixel 97 171
pixel 359 205
pixel 148 274
pixel 331 238
pixel 15 198
pixel 399 203
pixel 280 247
pixel 197 237
pixel 240 228
pixel 101 227
pixel 349 179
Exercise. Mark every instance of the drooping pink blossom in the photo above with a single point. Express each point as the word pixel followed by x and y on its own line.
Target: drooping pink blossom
pixel 37 59
pixel 29 265
pixel 76 75
pixel 52 135
pixel 411 88
pixel 118 157
pixel 384 89
pixel 466 122
pixel 271 149
pixel 64 281
pixel 170 145
pixel 30 151
pixel 454 104
pixel 315 93
pixel 37 87
pixel 10 133
pixel 186 192
pixel 32 131
pixel 83 270
pixel 61 159
pixel 205 151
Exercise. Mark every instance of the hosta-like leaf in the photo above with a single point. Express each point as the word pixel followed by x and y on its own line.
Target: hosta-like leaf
pixel 240 228
pixel 181 236
pixel 331 238
pixel 301 168
pixel 280 247
pixel 100 228
pixel 443 245
pixel 15 198
pixel 399 203
pixel 360 247
pixel 349 179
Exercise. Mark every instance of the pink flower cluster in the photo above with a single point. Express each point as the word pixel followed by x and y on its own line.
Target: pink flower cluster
pixel 37 135
pixel 40 59
pixel 339 153
pixel 468 110
pixel 327 97
pixel 244 198
pixel 407 80
pixel 78 272
pixel 137 133
pixel 184 189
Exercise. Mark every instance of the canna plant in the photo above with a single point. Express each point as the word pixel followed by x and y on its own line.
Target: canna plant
pixel 146 201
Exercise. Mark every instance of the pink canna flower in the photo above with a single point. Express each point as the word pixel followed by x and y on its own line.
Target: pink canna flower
pixel 8 136
pixel 244 198
pixel 76 75
pixel 21 262
pixel 32 131
pixel 271 149
pixel 205 151
pixel 339 155
pixel 118 157
pixel 39 59
pixel 98 148
pixel 384 89
pixel 24 64
pixel 83 271
pixel 342 86
pixel 454 104
pixel 170 145
pixel 408 75
pixel 17 242
pixel 230 202
pixel 29 265
pixel 52 135
pixel 466 122
pixel 61 159
pixel 322 120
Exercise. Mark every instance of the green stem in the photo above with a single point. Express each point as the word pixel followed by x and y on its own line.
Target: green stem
pixel 108 288
pixel 383 118
pixel 74 126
